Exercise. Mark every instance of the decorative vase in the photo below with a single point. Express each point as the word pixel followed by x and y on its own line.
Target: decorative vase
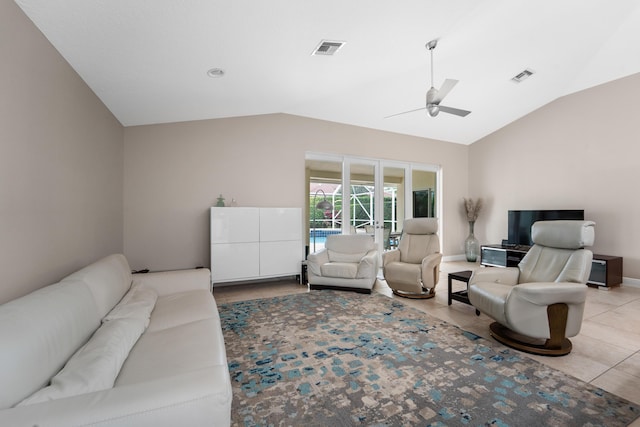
pixel 471 245
pixel 220 201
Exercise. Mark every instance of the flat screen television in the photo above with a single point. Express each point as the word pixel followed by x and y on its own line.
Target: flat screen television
pixel 424 203
pixel 520 222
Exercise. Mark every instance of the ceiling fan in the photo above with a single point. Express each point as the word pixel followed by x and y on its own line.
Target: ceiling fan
pixel 435 96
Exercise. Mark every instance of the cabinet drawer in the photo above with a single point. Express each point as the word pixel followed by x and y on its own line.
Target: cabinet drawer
pixel 280 258
pixel 235 261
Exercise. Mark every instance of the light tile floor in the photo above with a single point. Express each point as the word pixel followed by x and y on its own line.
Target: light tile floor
pixel 606 353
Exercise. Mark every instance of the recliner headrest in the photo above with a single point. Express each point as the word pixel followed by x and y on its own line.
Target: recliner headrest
pixel 564 234
pixel 420 226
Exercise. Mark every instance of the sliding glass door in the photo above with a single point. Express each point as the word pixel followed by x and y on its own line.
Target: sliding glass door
pixel 367 196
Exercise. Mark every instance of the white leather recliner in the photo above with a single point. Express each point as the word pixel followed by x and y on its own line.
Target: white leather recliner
pixel 413 269
pixel 348 261
pixel 539 304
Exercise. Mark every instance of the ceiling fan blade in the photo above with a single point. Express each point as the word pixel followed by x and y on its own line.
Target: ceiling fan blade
pixel 405 112
pixel 456 111
pixel 444 90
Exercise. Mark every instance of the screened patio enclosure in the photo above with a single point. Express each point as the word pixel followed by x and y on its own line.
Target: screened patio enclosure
pixel 361 204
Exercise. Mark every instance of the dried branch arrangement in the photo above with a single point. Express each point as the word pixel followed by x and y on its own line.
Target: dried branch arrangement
pixel 472 208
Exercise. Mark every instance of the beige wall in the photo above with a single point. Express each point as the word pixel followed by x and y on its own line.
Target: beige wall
pixel 174 172
pixel 61 164
pixel 62 171
pixel 579 152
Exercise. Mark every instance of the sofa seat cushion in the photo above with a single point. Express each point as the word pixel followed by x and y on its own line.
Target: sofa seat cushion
pixel 401 272
pixel 181 308
pixel 174 351
pixel 346 270
pixel 199 398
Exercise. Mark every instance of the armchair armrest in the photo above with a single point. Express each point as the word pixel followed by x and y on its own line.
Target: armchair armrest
pixel 430 269
pixel 390 256
pixel 431 260
pixel 547 293
pixel 526 307
pixel 315 260
pixel 505 276
pixel 368 265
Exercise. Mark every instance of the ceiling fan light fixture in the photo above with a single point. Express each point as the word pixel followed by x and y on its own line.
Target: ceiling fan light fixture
pixel 433 110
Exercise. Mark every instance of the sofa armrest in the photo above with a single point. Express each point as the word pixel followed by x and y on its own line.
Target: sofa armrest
pixel 171 282
pixel 315 260
pixel 368 266
pixel 505 276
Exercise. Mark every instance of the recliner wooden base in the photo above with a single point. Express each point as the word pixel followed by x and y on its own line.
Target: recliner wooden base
pixel 527 344
pixel 557 345
pixel 426 294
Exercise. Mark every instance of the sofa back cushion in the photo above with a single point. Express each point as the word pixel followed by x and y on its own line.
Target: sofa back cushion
pixel 38 333
pixel 108 279
pixel 348 247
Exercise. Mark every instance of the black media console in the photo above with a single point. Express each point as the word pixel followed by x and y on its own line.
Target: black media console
pixel 606 270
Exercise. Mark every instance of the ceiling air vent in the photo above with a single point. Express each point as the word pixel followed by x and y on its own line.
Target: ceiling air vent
pixel 327 47
pixel 522 76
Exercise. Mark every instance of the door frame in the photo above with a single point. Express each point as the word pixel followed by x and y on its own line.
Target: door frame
pixel 379 165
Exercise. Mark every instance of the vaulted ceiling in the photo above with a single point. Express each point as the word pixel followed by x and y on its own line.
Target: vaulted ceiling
pixel 147 60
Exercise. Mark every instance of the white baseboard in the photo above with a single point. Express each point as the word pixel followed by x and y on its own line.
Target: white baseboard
pixel 453 258
pixel 631 282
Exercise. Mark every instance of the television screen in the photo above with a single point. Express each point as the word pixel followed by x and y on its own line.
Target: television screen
pixel 520 222
pixel 424 203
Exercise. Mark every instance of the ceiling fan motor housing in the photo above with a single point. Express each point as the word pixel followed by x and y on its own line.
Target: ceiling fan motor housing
pixel 431 96
pixel 432 105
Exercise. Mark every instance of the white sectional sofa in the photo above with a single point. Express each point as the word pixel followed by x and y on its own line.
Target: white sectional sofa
pixel 104 347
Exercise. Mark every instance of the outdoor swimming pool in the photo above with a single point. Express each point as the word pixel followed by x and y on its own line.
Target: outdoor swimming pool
pixel 321 237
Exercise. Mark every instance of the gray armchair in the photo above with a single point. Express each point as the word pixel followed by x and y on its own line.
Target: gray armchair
pixel 348 261
pixel 539 304
pixel 413 269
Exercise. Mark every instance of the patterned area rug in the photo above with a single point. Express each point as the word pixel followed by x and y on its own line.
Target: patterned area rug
pixel 330 358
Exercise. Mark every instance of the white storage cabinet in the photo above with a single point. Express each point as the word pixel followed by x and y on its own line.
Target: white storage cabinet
pixel 255 243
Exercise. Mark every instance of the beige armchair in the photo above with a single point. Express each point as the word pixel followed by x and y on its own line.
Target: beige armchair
pixel 539 304
pixel 347 262
pixel 413 269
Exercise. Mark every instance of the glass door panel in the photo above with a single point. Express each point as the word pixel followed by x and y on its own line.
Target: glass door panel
pixel 362 201
pixel 324 201
pixel 393 205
